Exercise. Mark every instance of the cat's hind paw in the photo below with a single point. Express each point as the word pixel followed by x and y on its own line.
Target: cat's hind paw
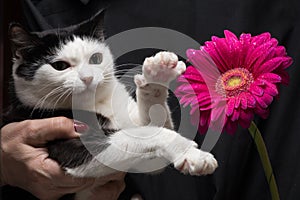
pixel 196 162
pixel 160 69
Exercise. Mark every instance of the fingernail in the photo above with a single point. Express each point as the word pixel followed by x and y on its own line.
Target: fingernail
pixel 80 127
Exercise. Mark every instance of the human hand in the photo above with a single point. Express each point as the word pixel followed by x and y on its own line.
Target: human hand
pixel 25 161
pixel 105 188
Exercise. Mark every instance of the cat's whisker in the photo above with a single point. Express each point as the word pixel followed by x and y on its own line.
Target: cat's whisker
pixel 46 85
pixel 70 91
pixel 41 102
pixel 127 69
pixel 128 64
pixel 59 98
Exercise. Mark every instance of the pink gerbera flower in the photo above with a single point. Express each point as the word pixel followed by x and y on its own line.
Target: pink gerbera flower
pixel 232 79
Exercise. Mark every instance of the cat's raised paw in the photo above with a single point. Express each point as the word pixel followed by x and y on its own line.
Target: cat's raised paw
pixel 160 69
pixel 196 162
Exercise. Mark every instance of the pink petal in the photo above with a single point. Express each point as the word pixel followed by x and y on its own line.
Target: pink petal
pixel 264 55
pixel 263 113
pixel 271 77
pixel 271 89
pixel 255 59
pixel 256 90
pixel 245 118
pixel 230 106
pixel 260 82
pixel 195 119
pixel 206 107
pixel 244 124
pixel 203 100
pixel 267 99
pixel 284 76
pixel 211 50
pixel 198 88
pixel 245 38
pixel 286 63
pixel 261 102
pixel 231 127
pixel 204 64
pixel 229 35
pixel 244 102
pixel 194 110
pixel 184 87
pixel 237 102
pixel 246 48
pixel 236 115
pixel 223 50
pixel 251 100
pixel 235 48
pixel 202 129
pixel 217 113
pixel 204 116
pixel 193 78
pixel 280 51
pixel 273 64
pixel 260 39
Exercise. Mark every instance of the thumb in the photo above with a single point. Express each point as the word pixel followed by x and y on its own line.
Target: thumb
pixel 41 131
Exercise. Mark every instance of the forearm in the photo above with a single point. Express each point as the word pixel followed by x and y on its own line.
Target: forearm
pixel 2 179
pixel 152 106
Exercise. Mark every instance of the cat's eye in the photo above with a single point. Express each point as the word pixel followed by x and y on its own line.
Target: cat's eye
pixel 96 58
pixel 60 65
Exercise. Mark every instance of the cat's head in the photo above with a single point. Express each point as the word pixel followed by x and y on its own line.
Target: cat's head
pixel 52 65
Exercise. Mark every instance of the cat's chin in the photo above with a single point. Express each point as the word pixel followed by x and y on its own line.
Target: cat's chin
pixel 90 89
pixel 86 91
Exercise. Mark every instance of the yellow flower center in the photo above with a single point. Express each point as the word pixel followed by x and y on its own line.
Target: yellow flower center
pixel 233 82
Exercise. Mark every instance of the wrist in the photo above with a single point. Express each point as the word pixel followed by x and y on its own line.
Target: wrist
pixel 2 177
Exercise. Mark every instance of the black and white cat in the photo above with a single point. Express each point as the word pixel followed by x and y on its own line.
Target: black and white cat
pixel 52 66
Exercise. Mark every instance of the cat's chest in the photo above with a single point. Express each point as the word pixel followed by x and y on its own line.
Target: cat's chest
pixel 117 116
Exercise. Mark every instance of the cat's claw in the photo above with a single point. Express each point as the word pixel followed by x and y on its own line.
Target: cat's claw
pixel 160 69
pixel 196 162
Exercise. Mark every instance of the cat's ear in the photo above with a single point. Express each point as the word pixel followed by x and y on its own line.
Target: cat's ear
pixel 93 27
pixel 21 40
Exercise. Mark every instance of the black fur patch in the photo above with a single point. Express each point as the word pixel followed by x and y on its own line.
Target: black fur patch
pixel 38 48
pixel 36 56
pixel 71 152
pixel 27 71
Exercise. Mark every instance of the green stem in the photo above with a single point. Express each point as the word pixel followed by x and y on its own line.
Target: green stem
pixel 263 153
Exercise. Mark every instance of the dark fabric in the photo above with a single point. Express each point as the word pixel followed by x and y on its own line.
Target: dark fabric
pixel 240 175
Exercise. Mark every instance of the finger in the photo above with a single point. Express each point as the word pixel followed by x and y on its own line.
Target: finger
pixel 111 177
pixel 60 178
pixel 109 191
pixel 38 132
pixel 116 176
pixel 58 191
pixel 74 189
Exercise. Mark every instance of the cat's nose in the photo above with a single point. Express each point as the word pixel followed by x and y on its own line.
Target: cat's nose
pixel 87 80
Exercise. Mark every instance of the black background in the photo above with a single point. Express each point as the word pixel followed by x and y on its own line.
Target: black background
pixel 240 175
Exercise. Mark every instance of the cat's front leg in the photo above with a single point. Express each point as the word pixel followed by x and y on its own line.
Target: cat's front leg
pixel 152 88
pixel 127 149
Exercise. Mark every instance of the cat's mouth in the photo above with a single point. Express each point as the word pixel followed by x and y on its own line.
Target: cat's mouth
pixel 90 86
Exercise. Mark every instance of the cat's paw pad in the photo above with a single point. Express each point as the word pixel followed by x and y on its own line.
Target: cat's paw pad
pixel 196 162
pixel 160 69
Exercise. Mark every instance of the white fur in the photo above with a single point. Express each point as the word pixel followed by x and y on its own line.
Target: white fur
pixel 77 53
pixel 129 147
pixel 136 142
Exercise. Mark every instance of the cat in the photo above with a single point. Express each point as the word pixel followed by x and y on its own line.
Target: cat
pixel 52 67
